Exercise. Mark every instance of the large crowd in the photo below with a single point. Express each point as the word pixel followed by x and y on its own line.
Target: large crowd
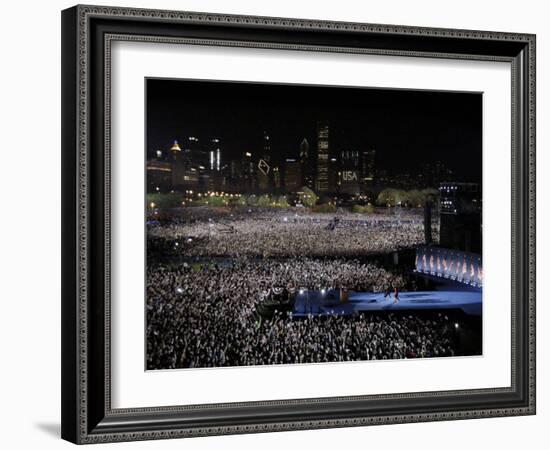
pixel 215 278
pixel 281 234
pixel 207 316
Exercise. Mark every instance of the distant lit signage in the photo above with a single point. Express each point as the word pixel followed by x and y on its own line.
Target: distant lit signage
pixel 349 176
pixel 263 166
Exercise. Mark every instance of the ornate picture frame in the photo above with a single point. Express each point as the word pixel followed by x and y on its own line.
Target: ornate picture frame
pixel 87 35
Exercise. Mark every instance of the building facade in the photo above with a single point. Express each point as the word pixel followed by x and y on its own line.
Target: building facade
pixel 322 166
pixel 461 216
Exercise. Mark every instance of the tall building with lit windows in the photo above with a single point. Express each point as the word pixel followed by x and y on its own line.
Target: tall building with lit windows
pixel 307 175
pixel 368 166
pixel 322 163
pixel 191 145
pixel 293 175
pixel 215 155
pixel 349 175
pixel 460 216
pixel 264 168
pixel 159 175
pixel 248 171
pixel 184 176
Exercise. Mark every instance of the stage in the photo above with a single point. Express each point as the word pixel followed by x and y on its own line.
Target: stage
pixel 328 303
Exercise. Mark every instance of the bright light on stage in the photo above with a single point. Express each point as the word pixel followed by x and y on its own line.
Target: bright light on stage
pixel 301 291
pixel 456 325
pixel 179 290
pixel 322 291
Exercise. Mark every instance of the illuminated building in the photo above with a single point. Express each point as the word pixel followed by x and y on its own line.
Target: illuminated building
pixel 293 175
pixel 215 155
pixel 460 216
pixel 264 169
pixel 159 176
pixel 248 171
pixel 349 174
pixel 183 175
pixel 368 166
pixel 175 149
pixel 305 165
pixel 322 166
pixel 333 175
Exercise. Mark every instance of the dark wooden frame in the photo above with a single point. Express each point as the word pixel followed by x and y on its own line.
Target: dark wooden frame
pixel 87 32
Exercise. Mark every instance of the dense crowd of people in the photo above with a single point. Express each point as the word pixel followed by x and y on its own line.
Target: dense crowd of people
pixel 207 316
pixel 278 234
pixel 217 278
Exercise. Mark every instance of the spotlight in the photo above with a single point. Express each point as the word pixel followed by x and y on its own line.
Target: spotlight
pixel 179 290
pixel 456 325
pixel 301 291
pixel 322 291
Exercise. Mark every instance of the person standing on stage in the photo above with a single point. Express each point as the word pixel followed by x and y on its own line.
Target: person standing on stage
pixel 396 295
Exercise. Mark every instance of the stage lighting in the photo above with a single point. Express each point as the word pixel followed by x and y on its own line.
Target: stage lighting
pixel 322 291
pixel 179 290
pixel 301 291
pixel 456 325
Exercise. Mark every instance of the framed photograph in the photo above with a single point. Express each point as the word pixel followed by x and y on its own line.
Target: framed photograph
pixel 278 224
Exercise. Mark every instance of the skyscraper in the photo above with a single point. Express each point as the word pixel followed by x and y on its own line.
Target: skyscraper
pixel 193 152
pixel 266 153
pixel 159 176
pixel 183 175
pixel 177 166
pixel 305 165
pixel 293 175
pixel 215 155
pixel 368 165
pixel 349 171
pixel 460 216
pixel 304 151
pixel 175 149
pixel 321 181
pixel 368 169
pixel 249 172
pixel 349 159
pixel 266 179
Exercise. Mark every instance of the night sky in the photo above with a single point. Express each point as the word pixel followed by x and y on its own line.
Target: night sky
pixel 407 128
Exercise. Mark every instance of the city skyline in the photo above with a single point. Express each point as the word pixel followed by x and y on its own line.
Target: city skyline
pixel 406 128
